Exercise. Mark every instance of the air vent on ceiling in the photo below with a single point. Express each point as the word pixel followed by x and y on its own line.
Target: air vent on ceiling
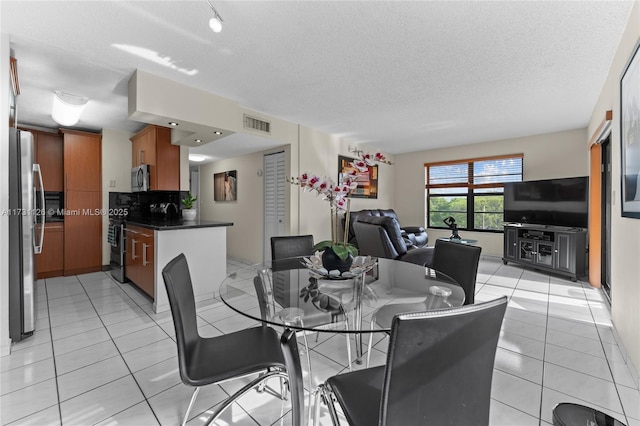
pixel 256 124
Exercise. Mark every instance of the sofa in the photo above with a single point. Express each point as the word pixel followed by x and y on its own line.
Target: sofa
pixel 382 237
pixel 414 236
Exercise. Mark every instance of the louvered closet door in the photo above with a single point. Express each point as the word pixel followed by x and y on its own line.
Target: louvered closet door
pixel 274 199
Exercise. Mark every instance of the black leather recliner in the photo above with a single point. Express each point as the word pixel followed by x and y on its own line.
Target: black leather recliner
pixel 382 237
pixel 413 235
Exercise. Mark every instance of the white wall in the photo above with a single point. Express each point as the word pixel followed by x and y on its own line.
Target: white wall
pixel 116 166
pixel 306 150
pixel 244 238
pixel 319 155
pixel 552 155
pixel 5 54
pixel 625 232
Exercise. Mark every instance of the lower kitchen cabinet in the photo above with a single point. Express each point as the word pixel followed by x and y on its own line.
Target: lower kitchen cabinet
pixel 50 262
pixel 83 232
pixel 140 264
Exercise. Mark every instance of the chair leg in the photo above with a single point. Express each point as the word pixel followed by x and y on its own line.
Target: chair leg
pixel 326 395
pixel 193 400
pixel 370 346
pixel 346 326
pixel 245 389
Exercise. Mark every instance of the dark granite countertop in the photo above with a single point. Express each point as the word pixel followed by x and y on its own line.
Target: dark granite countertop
pixel 165 225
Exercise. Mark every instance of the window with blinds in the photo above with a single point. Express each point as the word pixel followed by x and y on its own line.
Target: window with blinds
pixel 470 191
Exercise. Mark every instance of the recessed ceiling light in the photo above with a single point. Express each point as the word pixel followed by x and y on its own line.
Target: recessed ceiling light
pixel 198 140
pixel 217 133
pixel 197 158
pixel 173 123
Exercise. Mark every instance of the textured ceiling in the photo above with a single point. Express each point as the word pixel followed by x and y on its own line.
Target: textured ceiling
pixel 401 76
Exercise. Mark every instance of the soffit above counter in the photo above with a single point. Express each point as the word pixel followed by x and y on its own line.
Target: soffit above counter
pixel 203 117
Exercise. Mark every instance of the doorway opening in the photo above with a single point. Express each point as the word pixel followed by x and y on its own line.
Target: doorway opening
pixel 605 208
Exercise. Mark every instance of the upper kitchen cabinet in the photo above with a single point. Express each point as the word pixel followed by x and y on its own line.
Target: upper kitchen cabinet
pixel 152 146
pixel 83 202
pixel 82 161
pixel 50 155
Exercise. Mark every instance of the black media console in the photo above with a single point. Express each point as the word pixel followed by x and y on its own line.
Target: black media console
pixel 550 248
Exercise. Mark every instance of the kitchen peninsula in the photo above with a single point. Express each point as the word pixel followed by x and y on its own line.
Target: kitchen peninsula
pixel 151 244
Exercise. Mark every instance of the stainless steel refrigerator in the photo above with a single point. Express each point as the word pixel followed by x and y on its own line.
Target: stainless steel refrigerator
pixel 26 232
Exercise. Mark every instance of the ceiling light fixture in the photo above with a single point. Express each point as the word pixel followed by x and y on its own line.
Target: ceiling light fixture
pixel 198 140
pixel 215 23
pixel 217 133
pixel 173 123
pixel 66 109
pixel 196 158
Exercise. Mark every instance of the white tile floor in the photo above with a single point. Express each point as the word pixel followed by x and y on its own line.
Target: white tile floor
pixel 101 357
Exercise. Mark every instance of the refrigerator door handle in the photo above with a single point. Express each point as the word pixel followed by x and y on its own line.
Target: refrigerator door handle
pixel 37 247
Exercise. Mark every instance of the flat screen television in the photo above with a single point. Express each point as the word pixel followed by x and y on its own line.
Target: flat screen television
pixel 556 202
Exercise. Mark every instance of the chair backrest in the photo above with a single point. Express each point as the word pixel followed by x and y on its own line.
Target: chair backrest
pixel 263 301
pixel 177 280
pixel 289 345
pixel 460 262
pixel 354 216
pixel 380 236
pixel 290 246
pixel 440 364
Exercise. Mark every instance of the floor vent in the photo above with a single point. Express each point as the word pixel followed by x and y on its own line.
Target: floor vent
pixel 256 124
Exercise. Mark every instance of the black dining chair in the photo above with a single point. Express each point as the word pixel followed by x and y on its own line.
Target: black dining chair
pixel 204 361
pixel 290 246
pixel 460 262
pixel 438 371
pixel 457 261
pixel 284 251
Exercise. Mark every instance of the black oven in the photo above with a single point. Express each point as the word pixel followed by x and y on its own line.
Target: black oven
pixel 120 204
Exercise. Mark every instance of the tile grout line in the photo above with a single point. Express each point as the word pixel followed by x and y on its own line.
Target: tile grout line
pixel 120 352
pixel 544 354
pixel 53 352
pixel 615 384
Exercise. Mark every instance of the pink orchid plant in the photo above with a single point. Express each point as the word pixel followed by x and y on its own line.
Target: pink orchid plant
pixel 338 196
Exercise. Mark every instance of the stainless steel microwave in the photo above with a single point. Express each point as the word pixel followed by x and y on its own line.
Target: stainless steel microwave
pixel 140 178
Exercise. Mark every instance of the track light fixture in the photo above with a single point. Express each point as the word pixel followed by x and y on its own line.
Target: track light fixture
pixel 215 23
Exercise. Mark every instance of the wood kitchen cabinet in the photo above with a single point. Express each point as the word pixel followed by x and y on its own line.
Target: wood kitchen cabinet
pixel 152 146
pixel 140 259
pixel 83 202
pixel 82 161
pixel 83 232
pixel 49 153
pixel 50 262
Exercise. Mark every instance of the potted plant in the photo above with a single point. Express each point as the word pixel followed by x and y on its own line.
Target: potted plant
pixel 337 252
pixel 188 212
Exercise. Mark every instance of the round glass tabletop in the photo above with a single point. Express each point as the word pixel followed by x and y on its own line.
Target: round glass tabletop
pixel 288 293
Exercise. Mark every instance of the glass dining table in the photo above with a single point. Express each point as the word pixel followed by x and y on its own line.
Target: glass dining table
pixel 290 294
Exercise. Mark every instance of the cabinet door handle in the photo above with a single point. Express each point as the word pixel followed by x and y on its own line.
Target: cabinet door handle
pixel 144 254
pixel 133 249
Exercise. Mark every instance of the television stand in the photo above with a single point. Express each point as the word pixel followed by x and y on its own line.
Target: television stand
pixel 554 249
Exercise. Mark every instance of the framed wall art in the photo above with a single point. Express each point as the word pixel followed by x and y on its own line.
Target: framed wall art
pixel 225 186
pixel 367 181
pixel 630 136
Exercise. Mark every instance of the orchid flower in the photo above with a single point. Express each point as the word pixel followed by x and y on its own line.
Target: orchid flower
pixel 338 196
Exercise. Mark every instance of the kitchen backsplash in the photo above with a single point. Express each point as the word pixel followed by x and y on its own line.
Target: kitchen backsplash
pixel 162 205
